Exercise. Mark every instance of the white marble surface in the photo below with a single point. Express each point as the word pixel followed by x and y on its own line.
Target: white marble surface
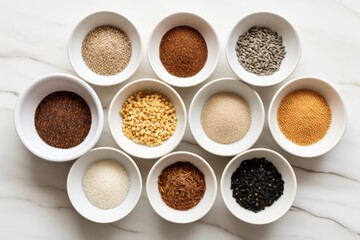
pixel 33 199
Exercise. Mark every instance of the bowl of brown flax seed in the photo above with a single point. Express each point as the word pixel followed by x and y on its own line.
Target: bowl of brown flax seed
pixel 105 48
pixel 181 187
pixel 183 49
pixel 59 117
pixel 307 117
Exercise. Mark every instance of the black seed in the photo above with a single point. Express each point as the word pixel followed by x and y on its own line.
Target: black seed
pixel 256 184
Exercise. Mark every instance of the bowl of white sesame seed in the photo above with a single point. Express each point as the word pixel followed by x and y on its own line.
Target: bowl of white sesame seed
pixel 147 118
pixel 105 48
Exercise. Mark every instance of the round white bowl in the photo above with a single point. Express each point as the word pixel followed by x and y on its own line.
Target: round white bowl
pixel 290 41
pixel 115 119
pixel 279 207
pixel 204 28
pixel 28 101
pixel 338 115
pixel 178 216
pixel 257 116
pixel 84 27
pixel 78 198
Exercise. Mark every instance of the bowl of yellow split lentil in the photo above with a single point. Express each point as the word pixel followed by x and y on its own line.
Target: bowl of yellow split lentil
pixel 147 118
pixel 307 117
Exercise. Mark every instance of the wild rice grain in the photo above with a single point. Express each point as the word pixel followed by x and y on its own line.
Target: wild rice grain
pixel 181 185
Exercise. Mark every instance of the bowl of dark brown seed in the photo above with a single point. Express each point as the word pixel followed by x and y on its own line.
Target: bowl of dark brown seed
pixel 263 49
pixel 181 187
pixel 307 116
pixel 59 117
pixel 183 49
pixel 258 186
pixel 105 48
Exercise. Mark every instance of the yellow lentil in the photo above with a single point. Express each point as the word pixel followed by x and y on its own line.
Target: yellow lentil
pixel 149 118
pixel 304 117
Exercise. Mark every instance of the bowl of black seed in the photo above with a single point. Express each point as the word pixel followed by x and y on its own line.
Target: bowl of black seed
pixel 105 48
pixel 263 49
pixel 59 117
pixel 258 186
pixel 183 49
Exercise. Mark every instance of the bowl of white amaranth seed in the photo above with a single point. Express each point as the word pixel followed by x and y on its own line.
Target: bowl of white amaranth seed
pixel 263 49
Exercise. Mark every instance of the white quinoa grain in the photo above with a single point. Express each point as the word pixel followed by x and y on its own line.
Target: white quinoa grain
pixel 106 184
pixel 106 50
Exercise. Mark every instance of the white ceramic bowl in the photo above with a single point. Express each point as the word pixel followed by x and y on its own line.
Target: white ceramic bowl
pixel 290 41
pixel 78 197
pixel 338 115
pixel 256 108
pixel 204 28
pixel 84 27
pixel 279 207
pixel 25 114
pixel 178 216
pixel 115 119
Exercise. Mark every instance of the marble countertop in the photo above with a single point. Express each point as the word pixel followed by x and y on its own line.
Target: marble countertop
pixel 33 198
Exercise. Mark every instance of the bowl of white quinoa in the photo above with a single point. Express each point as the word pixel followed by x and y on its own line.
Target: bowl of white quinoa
pixel 105 48
pixel 104 185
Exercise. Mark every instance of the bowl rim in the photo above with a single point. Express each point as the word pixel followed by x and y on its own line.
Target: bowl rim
pixel 201 161
pixel 156 81
pixel 99 83
pixel 150 41
pixel 238 158
pixel 193 130
pixel 283 19
pixel 283 88
pixel 27 92
pixel 81 159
